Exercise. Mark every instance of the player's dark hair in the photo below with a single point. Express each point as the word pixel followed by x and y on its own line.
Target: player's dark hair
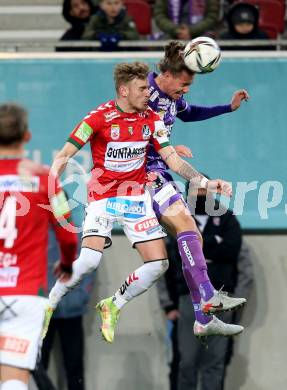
pixel 13 124
pixel 173 59
pixel 125 72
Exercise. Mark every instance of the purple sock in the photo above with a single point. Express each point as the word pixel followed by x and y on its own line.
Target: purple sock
pixel 195 297
pixel 199 316
pixel 193 260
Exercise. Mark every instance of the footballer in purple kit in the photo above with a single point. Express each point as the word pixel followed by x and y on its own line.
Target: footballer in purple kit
pixel 166 98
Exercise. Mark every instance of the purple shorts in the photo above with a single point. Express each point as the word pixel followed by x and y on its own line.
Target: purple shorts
pixel 164 192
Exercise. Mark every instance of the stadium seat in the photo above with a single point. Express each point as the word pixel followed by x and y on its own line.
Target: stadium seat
pixel 140 11
pixel 271 19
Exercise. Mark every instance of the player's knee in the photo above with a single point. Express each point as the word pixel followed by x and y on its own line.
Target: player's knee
pixel 88 261
pixel 13 384
pixel 165 265
pixel 158 267
pixel 162 266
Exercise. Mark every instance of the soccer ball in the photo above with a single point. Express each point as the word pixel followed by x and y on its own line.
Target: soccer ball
pixel 202 55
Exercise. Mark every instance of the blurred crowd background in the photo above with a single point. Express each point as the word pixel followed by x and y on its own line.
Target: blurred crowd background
pixel 111 22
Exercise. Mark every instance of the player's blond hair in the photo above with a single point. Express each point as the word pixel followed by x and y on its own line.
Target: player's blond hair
pixel 125 72
pixel 13 123
pixel 173 59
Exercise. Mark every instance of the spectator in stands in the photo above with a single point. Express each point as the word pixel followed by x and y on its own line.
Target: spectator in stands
pixel 77 13
pixel 243 23
pixel 222 238
pixel 186 19
pixel 111 24
pixel 67 321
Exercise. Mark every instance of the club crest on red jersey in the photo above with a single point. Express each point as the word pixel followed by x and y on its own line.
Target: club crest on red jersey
pixel 146 132
pixel 115 132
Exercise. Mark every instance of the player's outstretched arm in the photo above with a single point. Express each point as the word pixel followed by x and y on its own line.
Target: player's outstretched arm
pixel 62 158
pixel 188 172
pixel 192 113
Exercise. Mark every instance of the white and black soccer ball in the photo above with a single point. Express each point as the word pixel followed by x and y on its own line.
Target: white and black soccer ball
pixel 202 55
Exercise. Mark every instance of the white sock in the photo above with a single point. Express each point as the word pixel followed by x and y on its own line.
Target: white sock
pixel 13 384
pixel 139 281
pixel 88 261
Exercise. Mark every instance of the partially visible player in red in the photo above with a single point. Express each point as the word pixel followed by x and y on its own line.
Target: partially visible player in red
pixel 25 213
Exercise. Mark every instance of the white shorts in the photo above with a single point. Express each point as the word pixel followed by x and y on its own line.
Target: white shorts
pixel 134 213
pixel 21 323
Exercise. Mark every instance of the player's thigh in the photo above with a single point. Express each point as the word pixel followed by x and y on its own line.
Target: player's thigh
pixel 9 373
pixel 152 250
pixel 94 242
pixel 143 229
pixel 177 218
pixel 171 209
pixel 97 226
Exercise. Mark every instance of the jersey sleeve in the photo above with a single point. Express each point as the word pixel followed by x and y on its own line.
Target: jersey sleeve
pixel 160 135
pixel 85 130
pixel 62 224
pixel 191 113
pixel 181 105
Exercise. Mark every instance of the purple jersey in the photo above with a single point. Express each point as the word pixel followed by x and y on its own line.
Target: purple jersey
pixel 170 109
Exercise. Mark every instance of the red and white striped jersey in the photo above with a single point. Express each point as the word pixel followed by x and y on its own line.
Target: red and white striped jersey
pixel 119 142
pixel 29 201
